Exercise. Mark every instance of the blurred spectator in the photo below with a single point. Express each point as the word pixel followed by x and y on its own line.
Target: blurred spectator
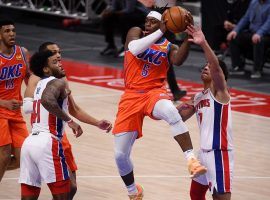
pixel 252 32
pixel 122 15
pixel 236 10
pixel 213 15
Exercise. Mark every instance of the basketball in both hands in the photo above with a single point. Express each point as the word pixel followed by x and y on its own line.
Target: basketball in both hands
pixel 176 19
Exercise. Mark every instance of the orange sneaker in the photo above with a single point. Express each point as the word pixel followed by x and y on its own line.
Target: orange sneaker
pixel 139 195
pixel 195 168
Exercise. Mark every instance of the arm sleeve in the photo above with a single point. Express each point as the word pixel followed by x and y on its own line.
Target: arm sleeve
pixel 140 45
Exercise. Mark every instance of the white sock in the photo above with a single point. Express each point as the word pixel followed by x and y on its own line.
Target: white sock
pixel 132 189
pixel 189 154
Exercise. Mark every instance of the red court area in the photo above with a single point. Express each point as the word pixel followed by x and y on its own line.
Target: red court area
pixel 242 101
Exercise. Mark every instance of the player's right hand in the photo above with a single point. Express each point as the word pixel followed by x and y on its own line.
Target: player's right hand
pixel 76 128
pixel 163 22
pixel 12 104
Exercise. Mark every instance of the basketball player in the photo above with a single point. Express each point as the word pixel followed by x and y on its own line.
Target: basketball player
pixel 42 155
pixel 13 70
pixel 213 112
pixel 147 58
pixel 74 110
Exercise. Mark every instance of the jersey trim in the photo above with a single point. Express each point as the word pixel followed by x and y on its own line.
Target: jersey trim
pixel 10 57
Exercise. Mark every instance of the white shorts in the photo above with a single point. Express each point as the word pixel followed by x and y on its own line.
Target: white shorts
pixel 219 173
pixel 42 159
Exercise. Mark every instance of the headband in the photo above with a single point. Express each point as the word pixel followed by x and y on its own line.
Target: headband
pixel 155 15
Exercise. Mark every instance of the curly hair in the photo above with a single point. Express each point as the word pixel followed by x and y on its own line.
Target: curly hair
pixel 39 61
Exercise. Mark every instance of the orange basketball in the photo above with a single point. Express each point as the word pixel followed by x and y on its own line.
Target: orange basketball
pixel 176 17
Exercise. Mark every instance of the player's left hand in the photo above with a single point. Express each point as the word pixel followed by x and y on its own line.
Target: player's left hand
pixel 196 34
pixel 105 125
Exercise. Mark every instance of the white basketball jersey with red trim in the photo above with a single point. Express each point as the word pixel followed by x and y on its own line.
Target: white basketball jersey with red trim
pixel 41 119
pixel 215 122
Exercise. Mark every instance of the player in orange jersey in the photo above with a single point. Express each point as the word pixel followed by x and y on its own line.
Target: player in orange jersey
pixel 13 70
pixel 74 110
pixel 147 57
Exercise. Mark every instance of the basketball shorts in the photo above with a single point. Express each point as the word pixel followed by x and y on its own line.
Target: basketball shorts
pixel 219 173
pixel 13 132
pixel 68 154
pixel 133 107
pixel 42 159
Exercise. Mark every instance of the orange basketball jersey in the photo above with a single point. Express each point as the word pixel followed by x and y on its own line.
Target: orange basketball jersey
pixel 147 70
pixel 12 72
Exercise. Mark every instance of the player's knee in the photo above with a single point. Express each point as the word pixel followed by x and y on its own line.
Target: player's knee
pixel 172 115
pixel 124 163
pixel 165 110
pixel 121 157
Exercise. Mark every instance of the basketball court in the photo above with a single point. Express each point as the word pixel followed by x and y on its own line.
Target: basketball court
pixel 159 163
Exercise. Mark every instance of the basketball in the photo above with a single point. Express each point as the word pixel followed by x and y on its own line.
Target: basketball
pixel 176 19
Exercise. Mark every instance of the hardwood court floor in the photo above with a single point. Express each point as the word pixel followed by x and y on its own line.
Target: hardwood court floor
pixel 159 163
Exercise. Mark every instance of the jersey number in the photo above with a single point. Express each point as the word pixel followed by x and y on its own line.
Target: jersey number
pixel 9 84
pixel 35 118
pixel 145 70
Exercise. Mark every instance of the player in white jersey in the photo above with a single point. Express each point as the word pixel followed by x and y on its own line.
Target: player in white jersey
pixel 42 157
pixel 213 112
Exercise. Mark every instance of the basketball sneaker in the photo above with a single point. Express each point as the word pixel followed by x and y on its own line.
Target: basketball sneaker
pixel 139 195
pixel 195 168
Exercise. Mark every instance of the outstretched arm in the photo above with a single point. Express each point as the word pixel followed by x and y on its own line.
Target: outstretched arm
pixel 76 111
pixel 219 88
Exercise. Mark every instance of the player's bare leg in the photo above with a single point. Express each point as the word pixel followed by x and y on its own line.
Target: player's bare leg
pixel 5 156
pixel 64 196
pixel 15 159
pixel 225 196
pixel 73 184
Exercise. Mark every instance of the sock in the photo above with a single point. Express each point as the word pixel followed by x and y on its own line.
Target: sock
pixel 189 154
pixel 130 183
pixel 132 189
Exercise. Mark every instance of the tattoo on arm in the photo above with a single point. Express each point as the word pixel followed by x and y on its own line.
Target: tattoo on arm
pixel 54 91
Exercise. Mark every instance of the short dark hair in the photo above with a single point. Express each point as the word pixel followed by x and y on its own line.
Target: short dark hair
pixel 5 22
pixel 44 46
pixel 224 68
pixel 38 61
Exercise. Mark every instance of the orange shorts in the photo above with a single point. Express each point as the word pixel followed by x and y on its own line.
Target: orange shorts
pixel 133 107
pixel 13 131
pixel 68 153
